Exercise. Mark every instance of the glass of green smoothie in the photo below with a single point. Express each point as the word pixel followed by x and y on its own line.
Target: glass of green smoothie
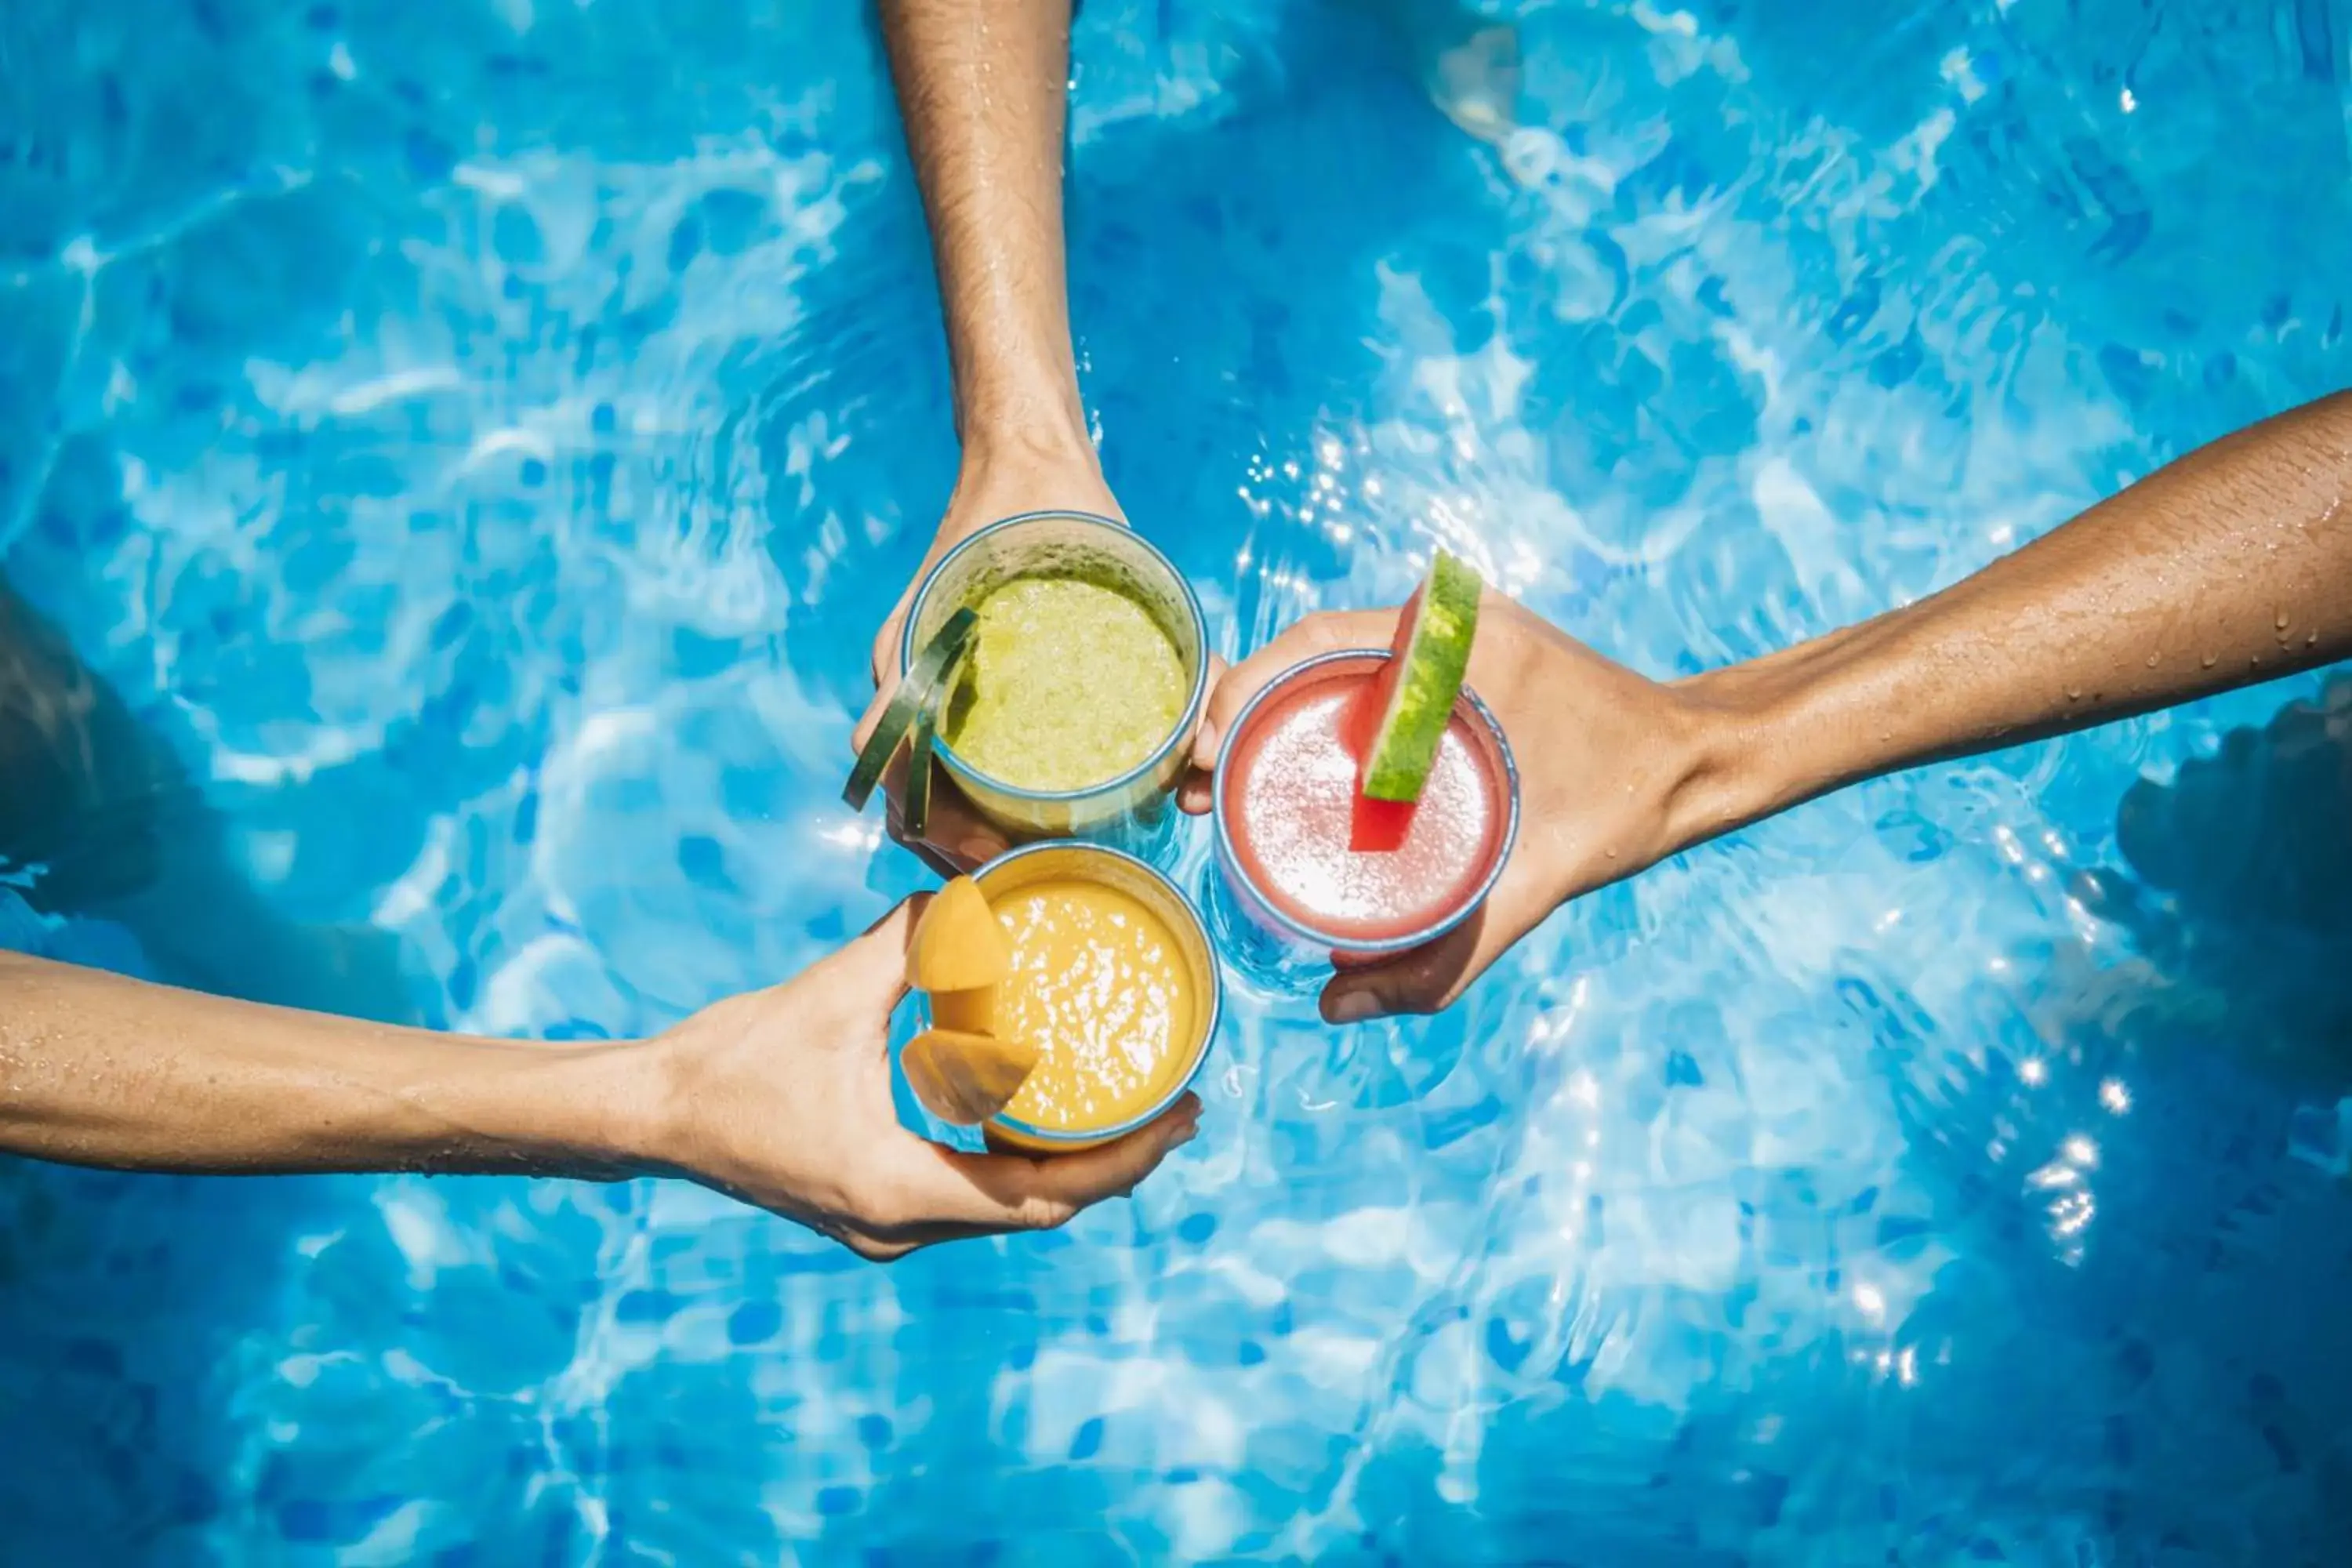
pixel 1073 713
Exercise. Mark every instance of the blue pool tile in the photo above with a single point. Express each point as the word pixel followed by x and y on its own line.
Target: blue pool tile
pixel 430 159
pixel 685 242
pixel 703 861
pixel 754 1322
pixel 1505 1346
pixel 645 1307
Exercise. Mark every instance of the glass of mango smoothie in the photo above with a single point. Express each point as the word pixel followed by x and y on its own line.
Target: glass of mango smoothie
pixel 1111 977
pixel 1072 714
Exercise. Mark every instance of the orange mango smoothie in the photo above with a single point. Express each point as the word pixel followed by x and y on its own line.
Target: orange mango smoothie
pixel 1111 978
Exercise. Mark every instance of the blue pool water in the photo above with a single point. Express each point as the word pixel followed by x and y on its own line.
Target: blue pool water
pixel 478 441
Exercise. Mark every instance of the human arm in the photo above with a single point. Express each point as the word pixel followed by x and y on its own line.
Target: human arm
pixel 982 91
pixel 780 1098
pixel 2231 566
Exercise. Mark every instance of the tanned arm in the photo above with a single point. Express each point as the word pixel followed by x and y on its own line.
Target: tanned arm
pixel 983 89
pixel 982 85
pixel 780 1098
pixel 2229 566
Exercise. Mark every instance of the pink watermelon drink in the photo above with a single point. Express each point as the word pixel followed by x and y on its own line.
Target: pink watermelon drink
pixel 1365 802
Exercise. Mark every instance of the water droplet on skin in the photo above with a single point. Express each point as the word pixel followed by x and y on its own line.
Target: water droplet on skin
pixel 2281 620
pixel 2211 660
pixel 2073 694
pixel 2151 660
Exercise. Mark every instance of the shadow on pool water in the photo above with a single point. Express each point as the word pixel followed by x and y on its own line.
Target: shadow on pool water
pixel 2242 908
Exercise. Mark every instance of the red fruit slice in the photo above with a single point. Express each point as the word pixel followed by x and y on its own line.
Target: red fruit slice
pixel 1398 719
pixel 1363 720
pixel 1379 826
pixel 1419 684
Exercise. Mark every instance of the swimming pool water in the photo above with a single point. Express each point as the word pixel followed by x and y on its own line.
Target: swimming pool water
pixel 482 438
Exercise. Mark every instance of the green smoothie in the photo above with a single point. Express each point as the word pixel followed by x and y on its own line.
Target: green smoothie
pixel 1068 684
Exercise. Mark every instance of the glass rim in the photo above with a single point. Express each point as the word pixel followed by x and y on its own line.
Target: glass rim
pixel 1092 1136
pixel 1381 947
pixel 1186 723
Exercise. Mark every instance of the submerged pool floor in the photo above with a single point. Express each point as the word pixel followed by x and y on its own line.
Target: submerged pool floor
pixel 478 442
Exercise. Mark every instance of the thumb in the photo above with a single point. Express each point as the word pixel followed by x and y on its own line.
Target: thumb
pixel 894 625
pixel 1325 631
pixel 884 688
pixel 877 958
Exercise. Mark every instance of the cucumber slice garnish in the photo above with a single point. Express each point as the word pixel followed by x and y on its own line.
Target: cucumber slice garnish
pixel 916 816
pixel 918 697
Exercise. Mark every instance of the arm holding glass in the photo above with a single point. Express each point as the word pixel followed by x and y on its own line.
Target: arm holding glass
pixel 983 90
pixel 780 1098
pixel 2229 566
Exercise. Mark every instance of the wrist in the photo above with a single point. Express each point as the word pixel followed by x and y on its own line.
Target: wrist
pixel 1027 467
pixel 627 1106
pixel 1773 732
pixel 593 1113
pixel 1033 427
pixel 669 1097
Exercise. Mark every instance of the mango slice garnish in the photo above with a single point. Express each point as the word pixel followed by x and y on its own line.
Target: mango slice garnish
pixel 971 1012
pixel 958 1069
pixel 966 1078
pixel 958 945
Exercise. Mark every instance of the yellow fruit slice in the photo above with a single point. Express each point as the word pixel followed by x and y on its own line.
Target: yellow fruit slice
pixel 971 1012
pixel 957 944
pixel 965 1078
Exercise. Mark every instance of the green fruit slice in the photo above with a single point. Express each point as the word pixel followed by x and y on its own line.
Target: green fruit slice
pixel 916 818
pixel 1412 699
pixel 917 695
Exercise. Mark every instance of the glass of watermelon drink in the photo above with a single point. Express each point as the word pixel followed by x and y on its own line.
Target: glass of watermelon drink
pixel 1308 854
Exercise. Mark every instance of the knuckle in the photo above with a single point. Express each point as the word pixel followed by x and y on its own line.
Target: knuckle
pixel 1324 628
pixel 1331 630
pixel 1038 1212
pixel 876 1250
pixel 880 1214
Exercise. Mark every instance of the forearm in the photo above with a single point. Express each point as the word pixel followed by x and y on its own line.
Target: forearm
pixel 95 1069
pixel 982 88
pixel 2229 566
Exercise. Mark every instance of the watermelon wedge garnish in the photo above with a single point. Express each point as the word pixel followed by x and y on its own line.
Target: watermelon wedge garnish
pixel 1401 718
pixel 1378 826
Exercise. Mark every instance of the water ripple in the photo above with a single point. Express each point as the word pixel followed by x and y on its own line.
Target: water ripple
pixel 505 433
